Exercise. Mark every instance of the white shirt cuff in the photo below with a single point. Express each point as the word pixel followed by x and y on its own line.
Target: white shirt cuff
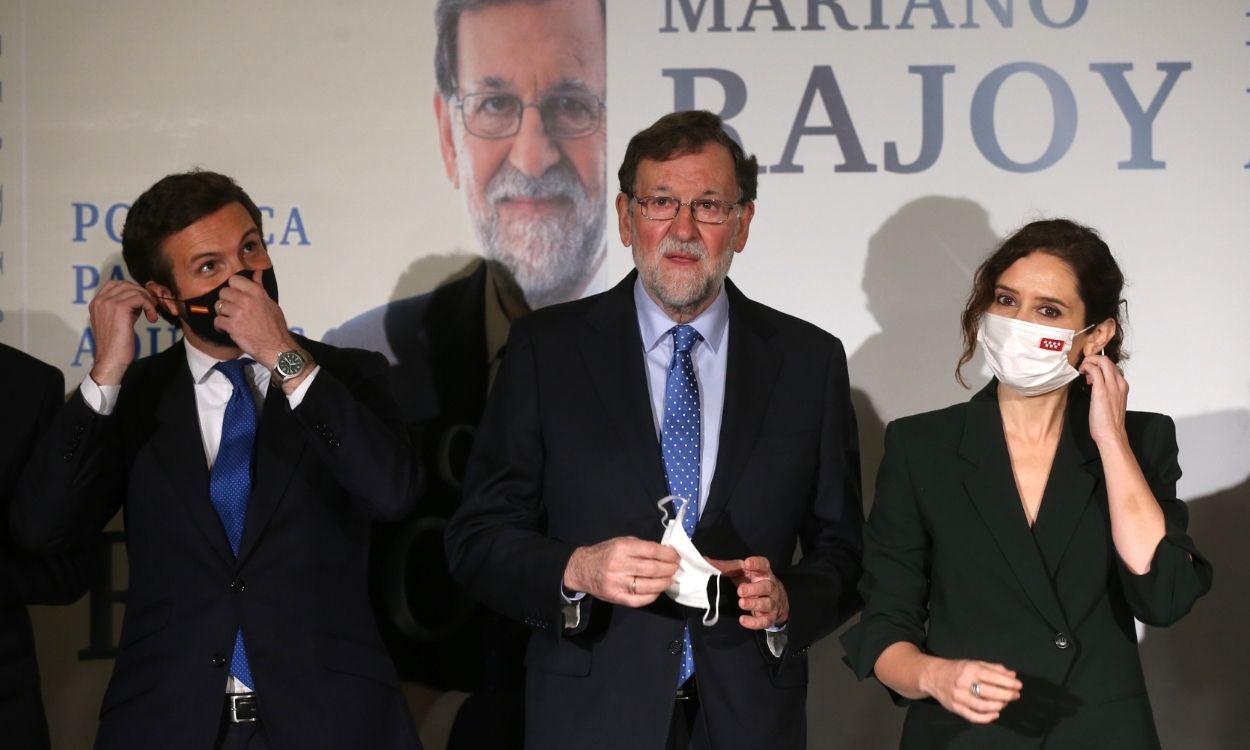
pixel 101 398
pixel 776 638
pixel 297 396
pixel 572 607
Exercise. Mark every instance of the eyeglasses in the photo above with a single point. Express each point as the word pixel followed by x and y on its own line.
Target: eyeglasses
pixel 498 115
pixel 702 210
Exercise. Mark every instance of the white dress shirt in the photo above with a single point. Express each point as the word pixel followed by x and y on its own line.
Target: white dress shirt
pixel 212 391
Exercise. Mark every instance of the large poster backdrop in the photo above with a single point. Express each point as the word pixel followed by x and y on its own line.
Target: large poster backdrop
pixel 898 139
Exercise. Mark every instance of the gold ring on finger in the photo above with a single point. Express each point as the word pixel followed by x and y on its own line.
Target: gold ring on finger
pixel 633 585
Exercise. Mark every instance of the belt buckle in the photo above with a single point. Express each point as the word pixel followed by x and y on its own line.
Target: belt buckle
pixel 246 701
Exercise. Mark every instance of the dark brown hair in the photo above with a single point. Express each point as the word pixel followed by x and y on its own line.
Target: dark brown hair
pixel 1099 280
pixel 682 133
pixel 174 203
pixel 447 32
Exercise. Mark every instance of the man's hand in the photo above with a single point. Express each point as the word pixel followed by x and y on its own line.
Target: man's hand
pixel 253 320
pixel 625 570
pixel 113 312
pixel 759 592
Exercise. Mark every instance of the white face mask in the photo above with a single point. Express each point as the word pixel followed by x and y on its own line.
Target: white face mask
pixel 689 586
pixel 1029 358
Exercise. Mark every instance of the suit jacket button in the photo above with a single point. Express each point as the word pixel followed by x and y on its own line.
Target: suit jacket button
pixel 79 429
pixel 67 456
pixel 1061 641
pixel 674 648
pixel 218 661
pixel 237 585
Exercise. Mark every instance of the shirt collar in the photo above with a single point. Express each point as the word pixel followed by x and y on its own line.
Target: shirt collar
pixel 202 364
pixel 712 324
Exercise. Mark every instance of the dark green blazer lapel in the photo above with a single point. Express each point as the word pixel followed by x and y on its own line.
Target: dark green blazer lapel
pixel 179 449
pixel 613 356
pixel 750 374
pixel 1074 475
pixel 992 489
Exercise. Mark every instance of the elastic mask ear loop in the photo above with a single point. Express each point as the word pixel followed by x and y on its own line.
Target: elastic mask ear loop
pixel 1101 352
pixel 664 513
pixel 715 613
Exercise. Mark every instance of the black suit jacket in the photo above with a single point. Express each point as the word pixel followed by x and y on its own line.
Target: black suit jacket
pixel 298 588
pixel 951 565
pixel 567 455
pixel 33 392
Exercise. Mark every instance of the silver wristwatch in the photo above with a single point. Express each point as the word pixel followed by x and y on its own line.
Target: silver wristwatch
pixel 291 364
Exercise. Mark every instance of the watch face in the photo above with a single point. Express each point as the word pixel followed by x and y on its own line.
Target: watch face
pixel 290 363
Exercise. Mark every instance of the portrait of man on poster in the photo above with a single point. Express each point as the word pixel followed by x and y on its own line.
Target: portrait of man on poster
pixel 521 120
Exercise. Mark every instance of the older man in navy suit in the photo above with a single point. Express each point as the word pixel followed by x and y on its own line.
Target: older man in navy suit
pixel 672 383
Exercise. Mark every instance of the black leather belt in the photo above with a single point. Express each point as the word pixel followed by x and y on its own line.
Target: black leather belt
pixel 240 708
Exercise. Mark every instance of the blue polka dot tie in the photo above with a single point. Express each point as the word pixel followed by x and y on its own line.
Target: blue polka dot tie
pixel 679 443
pixel 230 481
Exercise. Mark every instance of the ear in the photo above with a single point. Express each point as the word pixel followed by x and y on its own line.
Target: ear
pixel 160 290
pixel 443 111
pixel 1099 336
pixel 746 212
pixel 622 220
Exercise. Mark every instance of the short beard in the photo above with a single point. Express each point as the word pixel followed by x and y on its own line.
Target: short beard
pixel 547 259
pixel 683 296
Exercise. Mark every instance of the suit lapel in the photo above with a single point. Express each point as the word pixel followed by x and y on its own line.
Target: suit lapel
pixel 992 489
pixel 279 445
pixel 1073 478
pixel 179 448
pixel 750 374
pixel 613 356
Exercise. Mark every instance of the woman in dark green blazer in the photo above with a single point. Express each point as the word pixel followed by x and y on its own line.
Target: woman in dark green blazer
pixel 1015 537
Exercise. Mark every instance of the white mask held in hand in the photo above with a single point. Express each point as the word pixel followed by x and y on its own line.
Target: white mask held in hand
pixel 1028 358
pixel 689 586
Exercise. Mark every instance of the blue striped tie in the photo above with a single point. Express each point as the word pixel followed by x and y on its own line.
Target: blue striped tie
pixel 679 443
pixel 230 481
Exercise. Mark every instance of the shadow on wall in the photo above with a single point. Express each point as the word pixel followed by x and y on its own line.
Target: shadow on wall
pixel 431 271
pixel 1199 669
pixel 917 276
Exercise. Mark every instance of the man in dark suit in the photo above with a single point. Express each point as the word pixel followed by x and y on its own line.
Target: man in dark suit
pixel 672 383
pixel 250 464
pixel 532 179
pixel 33 393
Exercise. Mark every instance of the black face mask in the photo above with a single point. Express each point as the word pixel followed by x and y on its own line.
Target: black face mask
pixel 200 312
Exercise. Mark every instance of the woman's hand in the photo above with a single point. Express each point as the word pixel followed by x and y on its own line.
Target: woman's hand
pixel 976 690
pixel 1108 401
